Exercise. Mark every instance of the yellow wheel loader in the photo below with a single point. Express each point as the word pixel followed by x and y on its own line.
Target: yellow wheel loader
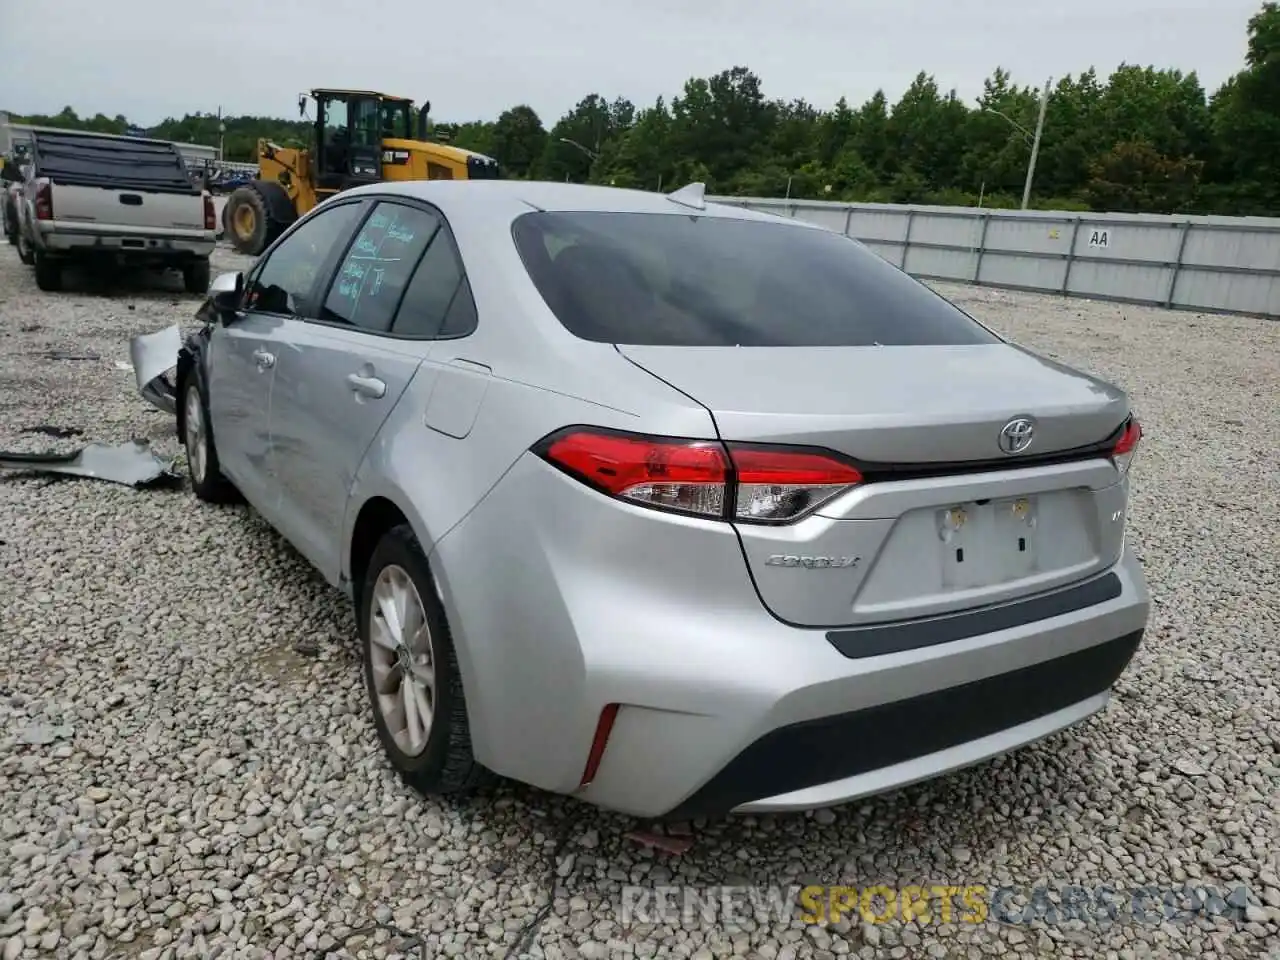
pixel 358 137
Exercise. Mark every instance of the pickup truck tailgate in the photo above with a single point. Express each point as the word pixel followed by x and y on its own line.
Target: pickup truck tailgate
pixel 139 211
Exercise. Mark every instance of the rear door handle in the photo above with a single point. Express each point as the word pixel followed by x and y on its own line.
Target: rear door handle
pixel 265 360
pixel 370 387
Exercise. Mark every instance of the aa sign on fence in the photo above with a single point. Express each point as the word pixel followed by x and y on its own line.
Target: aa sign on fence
pixel 1098 238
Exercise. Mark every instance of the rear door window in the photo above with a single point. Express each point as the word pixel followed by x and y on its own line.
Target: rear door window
pixel 374 273
pixel 676 279
pixel 438 300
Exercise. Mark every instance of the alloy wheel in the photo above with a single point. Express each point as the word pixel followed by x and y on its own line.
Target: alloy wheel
pixel 402 659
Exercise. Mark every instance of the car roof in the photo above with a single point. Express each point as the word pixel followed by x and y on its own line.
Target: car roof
pixel 508 199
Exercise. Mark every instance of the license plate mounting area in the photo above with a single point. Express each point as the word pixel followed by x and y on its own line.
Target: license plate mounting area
pixel 988 542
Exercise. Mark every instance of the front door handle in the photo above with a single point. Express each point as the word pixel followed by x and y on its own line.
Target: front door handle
pixel 370 387
pixel 264 360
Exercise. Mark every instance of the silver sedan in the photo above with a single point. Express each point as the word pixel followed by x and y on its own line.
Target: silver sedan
pixel 676 507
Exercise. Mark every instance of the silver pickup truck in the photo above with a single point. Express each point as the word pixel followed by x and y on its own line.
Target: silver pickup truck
pixel 126 200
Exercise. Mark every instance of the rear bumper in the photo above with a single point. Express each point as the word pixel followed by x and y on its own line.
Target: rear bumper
pixel 588 602
pixel 141 245
pixel 838 758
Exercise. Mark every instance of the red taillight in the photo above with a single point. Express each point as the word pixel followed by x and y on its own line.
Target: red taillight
pixel 44 201
pixel 210 217
pixel 604 726
pixel 784 484
pixel 688 476
pixel 747 482
pixel 1122 453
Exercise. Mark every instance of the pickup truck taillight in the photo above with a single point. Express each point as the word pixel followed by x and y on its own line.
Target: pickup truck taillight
pixel 210 216
pixel 44 201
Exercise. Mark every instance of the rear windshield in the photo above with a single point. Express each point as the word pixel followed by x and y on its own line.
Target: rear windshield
pixel 673 279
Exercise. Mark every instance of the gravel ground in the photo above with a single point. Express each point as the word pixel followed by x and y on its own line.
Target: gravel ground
pixel 188 768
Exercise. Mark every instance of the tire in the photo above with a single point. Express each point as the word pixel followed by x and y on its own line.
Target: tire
pixel 11 224
pixel 195 277
pixel 207 480
pixel 446 763
pixel 48 273
pixel 255 215
pixel 25 253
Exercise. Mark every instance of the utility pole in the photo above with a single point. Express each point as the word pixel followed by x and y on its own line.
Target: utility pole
pixel 222 129
pixel 1035 145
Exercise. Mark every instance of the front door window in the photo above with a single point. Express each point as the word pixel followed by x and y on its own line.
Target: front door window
pixel 336 136
pixel 366 124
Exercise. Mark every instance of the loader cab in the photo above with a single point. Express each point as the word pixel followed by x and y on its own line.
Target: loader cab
pixel 350 128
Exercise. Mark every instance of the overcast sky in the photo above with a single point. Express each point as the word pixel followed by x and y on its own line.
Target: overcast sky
pixel 149 59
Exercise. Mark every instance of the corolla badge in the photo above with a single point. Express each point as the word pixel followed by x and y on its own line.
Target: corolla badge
pixel 1017 434
pixel 811 563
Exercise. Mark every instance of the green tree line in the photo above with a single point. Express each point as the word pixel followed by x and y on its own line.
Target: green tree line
pixel 1141 140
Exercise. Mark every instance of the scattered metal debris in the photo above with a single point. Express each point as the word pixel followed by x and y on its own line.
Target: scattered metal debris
pixel 66 355
pixel 154 355
pixel 51 431
pixel 133 464
pixel 675 845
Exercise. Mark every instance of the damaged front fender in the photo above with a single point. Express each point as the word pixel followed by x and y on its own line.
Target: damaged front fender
pixel 153 355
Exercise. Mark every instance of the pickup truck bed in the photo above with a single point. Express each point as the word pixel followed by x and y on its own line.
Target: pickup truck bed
pixel 121 199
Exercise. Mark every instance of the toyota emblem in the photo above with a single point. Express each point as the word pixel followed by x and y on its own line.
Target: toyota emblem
pixel 1017 434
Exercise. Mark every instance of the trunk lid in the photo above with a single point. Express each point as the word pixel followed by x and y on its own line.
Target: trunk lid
pixel 890 405
pixel 949 520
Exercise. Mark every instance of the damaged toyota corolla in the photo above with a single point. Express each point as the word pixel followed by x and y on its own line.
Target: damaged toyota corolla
pixel 676 507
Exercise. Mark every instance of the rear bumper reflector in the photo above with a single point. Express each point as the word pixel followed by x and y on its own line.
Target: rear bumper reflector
pixel 601 740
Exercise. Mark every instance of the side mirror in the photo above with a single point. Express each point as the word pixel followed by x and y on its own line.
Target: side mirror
pixel 225 291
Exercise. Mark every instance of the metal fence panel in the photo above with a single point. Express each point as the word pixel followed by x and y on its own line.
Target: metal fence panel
pixel 1252 250
pixel 1051 238
pixel 1215 264
pixel 886 251
pixel 941 264
pixel 934 230
pixel 1120 281
pixel 1022 273
pixel 1234 292
pixel 878 225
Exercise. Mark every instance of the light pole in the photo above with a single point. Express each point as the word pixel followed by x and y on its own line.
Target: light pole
pixel 1027 135
pixel 1032 138
pixel 1035 145
pixel 574 143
